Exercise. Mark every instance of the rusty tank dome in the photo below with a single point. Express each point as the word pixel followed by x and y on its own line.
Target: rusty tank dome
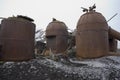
pixel 20 18
pixel 56 28
pixel 56 34
pixel 92 35
pixel 17 39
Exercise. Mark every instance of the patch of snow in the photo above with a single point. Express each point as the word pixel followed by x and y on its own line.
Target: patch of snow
pixel 115 58
pixel 100 68
pixel 32 67
pixel 95 68
pixel 89 63
pixel 8 64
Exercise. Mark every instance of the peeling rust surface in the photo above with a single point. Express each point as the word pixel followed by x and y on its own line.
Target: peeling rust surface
pixel 92 35
pixel 17 39
pixel 56 34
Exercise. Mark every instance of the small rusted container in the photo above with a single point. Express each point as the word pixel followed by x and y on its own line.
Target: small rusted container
pixel 92 35
pixel 57 36
pixel 17 39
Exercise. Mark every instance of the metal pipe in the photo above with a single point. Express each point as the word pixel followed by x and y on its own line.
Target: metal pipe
pixel 112 17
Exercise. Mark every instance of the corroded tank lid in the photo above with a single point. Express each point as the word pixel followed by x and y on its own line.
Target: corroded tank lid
pixel 56 28
pixel 56 24
pixel 20 18
pixel 91 17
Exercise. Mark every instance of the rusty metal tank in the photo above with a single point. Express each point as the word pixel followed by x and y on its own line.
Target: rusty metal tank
pixel 0 41
pixel 56 34
pixel 92 35
pixel 17 38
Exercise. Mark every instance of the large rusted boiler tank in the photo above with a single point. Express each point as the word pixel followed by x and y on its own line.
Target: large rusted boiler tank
pixel 56 35
pixel 17 38
pixel 92 35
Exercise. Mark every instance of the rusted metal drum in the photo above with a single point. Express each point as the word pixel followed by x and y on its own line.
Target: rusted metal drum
pixel 92 35
pixel 57 36
pixel 17 38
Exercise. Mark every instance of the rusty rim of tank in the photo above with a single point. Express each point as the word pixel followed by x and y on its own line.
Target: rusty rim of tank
pixel 20 18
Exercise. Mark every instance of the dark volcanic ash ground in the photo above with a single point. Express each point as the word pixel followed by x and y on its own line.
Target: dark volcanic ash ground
pixel 41 68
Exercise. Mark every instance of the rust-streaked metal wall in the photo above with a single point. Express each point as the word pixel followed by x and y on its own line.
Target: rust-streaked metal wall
pixel 92 35
pixel 0 26
pixel 0 42
pixel 57 36
pixel 17 38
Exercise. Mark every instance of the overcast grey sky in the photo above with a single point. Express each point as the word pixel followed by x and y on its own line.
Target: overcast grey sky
pixel 68 11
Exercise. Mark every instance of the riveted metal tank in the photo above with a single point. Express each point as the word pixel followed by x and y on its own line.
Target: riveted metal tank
pixel 92 35
pixel 56 34
pixel 17 38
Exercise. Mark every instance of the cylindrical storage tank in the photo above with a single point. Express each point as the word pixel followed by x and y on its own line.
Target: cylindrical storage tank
pixel 17 38
pixel 92 35
pixel 57 36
